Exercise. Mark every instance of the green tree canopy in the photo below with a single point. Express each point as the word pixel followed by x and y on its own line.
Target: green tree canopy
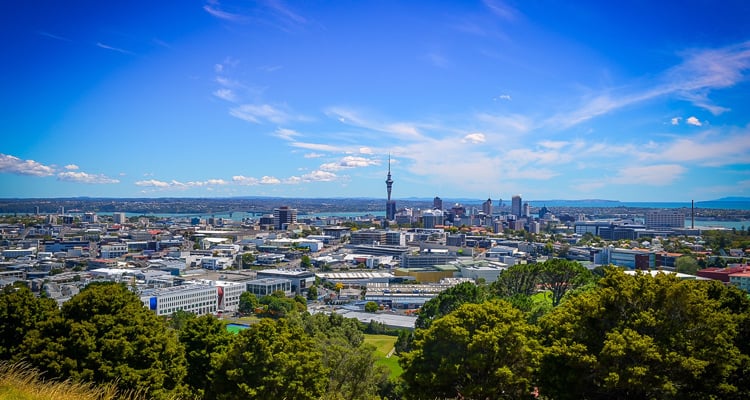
pixel 248 303
pixel 371 306
pixel 478 351
pixel 205 338
pixel 20 313
pixel 273 359
pixel 647 337
pixel 686 265
pixel 559 276
pixel 448 301
pixel 105 334
pixel 519 279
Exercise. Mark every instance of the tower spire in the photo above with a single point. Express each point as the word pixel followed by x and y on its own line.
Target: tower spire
pixel 390 205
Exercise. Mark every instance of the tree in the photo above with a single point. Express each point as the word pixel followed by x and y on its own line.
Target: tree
pixel 371 306
pixel 647 337
pixel 248 303
pixel 247 259
pixel 477 351
pixel 312 293
pixel 273 359
pixel 353 373
pixel 558 276
pixel 448 301
pixel 518 279
pixel 305 262
pixel 686 265
pixel 20 313
pixel 205 338
pixel 104 334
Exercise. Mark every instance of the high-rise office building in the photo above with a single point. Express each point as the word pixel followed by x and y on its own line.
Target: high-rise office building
pixel 487 207
pixel 390 205
pixel 437 203
pixel 665 219
pixel 284 216
pixel 516 206
pixel 526 210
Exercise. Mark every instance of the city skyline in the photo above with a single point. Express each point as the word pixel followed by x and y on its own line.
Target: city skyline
pixel 553 100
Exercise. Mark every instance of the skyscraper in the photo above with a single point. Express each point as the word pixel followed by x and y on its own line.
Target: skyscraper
pixel 437 203
pixel 487 207
pixel 390 205
pixel 284 216
pixel 516 207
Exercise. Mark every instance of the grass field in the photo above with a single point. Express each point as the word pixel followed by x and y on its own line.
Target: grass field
pixel 383 345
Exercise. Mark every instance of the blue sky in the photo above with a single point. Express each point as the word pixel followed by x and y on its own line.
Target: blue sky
pixel 639 101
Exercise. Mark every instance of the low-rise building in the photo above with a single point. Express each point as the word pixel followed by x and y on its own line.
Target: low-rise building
pixel 198 299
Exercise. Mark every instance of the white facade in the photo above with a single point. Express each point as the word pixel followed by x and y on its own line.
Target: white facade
pixel 196 299
pixel 113 250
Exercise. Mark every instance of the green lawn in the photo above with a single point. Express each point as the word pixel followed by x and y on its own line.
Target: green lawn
pixel 383 345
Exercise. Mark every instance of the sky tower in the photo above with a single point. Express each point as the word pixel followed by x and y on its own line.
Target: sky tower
pixel 390 205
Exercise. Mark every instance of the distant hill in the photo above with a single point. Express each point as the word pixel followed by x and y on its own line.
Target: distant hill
pixel 732 199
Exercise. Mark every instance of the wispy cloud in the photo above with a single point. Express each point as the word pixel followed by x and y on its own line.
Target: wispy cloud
pixel 286 134
pixel 502 10
pixel 14 165
pixel 712 148
pixel 52 36
pixel 258 113
pixel 83 177
pixel 701 72
pixel 651 175
pixel 225 94
pixel 112 48
pixel 215 11
pixel 314 155
pixel 402 130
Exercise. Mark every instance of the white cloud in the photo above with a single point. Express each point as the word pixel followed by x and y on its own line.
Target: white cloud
pixel 286 134
pixel 245 180
pixel 501 9
pixel 71 167
pixel 174 184
pixel 269 180
pixel 676 120
pixel 319 176
pixel 313 155
pixel 318 147
pixel 225 94
pixel 14 165
pixel 117 49
pixel 223 14
pixel 505 97
pixel 474 138
pixel 257 112
pixel 365 150
pixel 152 183
pixel 713 148
pixel 349 162
pixel 653 175
pixel 693 121
pixel 218 68
pixel 83 177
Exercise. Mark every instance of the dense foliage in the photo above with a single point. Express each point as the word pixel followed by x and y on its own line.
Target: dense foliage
pixel 478 351
pixel 547 328
pixel 104 334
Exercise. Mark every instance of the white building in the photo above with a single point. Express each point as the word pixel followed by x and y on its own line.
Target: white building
pixel 16 253
pixel 113 250
pixel 197 299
